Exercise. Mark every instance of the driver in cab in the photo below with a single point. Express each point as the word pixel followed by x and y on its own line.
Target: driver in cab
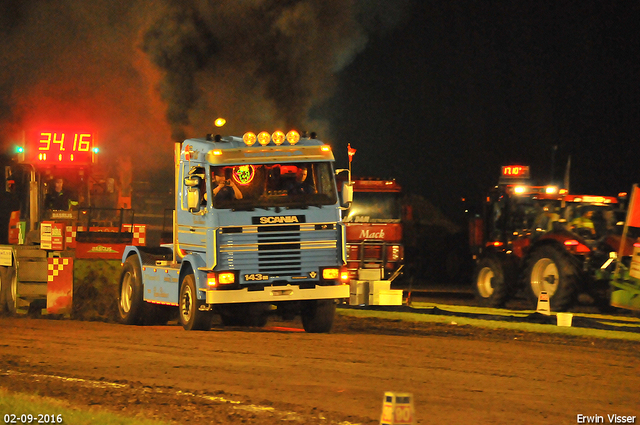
pixel 585 221
pixel 300 186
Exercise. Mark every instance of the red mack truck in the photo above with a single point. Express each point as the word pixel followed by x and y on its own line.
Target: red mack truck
pixel 375 254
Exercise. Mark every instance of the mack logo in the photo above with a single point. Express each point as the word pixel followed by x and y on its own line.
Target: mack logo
pixel 366 234
pixel 100 248
pixel 279 219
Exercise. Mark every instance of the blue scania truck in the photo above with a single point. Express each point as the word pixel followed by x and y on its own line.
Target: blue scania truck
pixel 256 226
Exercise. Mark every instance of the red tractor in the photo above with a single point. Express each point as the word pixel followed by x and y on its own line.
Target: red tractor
pixel 531 239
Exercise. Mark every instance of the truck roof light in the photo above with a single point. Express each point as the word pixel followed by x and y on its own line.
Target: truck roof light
pixel 249 138
pixel 293 137
pixel 264 138
pixel 278 137
pixel 217 152
pixel 325 148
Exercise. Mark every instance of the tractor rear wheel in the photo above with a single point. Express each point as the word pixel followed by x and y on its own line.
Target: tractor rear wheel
pixel 551 270
pixel 492 282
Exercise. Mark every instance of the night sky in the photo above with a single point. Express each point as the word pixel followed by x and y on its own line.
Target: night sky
pixel 436 94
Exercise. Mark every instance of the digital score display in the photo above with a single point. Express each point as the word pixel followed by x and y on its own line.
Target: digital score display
pixel 515 171
pixel 59 147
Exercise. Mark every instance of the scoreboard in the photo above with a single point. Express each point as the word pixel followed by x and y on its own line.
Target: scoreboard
pixel 59 147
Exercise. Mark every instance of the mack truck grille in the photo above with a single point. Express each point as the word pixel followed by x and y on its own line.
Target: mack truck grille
pixel 282 250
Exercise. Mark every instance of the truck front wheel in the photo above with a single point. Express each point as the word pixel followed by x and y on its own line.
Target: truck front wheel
pixel 491 282
pixel 317 315
pixel 550 270
pixel 131 303
pixel 191 317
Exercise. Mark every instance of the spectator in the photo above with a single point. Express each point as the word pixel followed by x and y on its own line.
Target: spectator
pixel 225 188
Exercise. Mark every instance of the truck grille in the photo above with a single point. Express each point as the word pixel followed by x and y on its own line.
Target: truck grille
pixel 278 251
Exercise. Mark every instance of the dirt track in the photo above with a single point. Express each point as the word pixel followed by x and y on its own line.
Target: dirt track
pixel 458 374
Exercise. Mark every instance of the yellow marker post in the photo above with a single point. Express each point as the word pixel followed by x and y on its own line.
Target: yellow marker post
pixel 543 303
pixel 397 409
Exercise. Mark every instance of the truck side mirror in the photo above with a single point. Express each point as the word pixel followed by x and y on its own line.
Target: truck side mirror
pixel 346 195
pixel 192 181
pixel 193 192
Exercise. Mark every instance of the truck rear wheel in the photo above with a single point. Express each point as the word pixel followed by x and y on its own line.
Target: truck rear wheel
pixel 190 316
pixel 130 302
pixel 550 270
pixel 317 315
pixel 491 282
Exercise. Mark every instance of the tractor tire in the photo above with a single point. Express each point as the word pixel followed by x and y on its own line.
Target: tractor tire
pixel 549 269
pixel 8 290
pixel 130 301
pixel 491 282
pixel 317 315
pixel 190 316
pixel 249 314
pixel 3 297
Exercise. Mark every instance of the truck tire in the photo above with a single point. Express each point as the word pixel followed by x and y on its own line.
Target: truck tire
pixel 317 315
pixel 549 269
pixel 249 314
pixel 130 301
pixel 491 282
pixel 190 316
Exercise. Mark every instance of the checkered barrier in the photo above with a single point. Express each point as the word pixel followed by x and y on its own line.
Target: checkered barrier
pixel 55 267
pixel 139 233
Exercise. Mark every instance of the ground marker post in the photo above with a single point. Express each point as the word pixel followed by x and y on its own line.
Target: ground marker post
pixel 543 303
pixel 397 409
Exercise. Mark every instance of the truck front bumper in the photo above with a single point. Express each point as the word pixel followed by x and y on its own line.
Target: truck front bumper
pixel 274 294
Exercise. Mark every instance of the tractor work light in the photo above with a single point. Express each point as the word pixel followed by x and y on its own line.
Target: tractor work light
pixel 519 190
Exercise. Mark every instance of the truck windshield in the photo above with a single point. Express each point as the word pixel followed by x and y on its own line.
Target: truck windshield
pixel 380 207
pixel 249 186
